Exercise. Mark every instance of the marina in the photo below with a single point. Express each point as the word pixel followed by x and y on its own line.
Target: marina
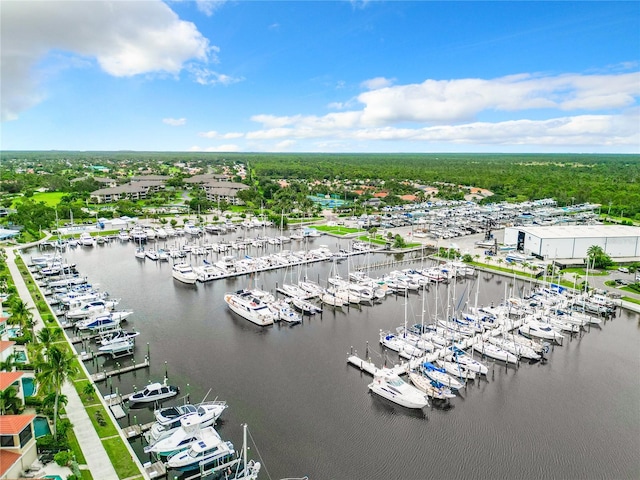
pixel 193 329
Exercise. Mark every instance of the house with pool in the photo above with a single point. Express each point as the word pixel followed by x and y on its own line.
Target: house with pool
pixel 17 445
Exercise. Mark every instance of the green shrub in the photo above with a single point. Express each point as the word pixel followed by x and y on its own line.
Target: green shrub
pixel 63 458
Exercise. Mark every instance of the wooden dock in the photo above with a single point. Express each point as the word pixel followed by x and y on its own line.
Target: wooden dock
pixel 134 431
pixel 102 376
pixel 155 470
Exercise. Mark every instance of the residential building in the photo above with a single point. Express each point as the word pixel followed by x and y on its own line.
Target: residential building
pixel 17 445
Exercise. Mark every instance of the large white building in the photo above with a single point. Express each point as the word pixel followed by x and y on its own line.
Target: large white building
pixel 573 241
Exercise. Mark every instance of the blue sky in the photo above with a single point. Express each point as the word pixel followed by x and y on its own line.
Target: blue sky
pixel 321 76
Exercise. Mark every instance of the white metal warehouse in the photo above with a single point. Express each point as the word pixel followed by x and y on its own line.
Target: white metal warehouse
pixel 573 241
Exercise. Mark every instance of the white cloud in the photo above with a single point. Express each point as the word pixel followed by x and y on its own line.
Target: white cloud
pixel 224 136
pixel 220 148
pixel 175 122
pixel 125 38
pixel 377 83
pixel 580 110
pixel 209 6
pixel 205 76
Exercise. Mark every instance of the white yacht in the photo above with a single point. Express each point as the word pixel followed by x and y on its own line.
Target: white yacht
pixel 431 388
pixel 168 419
pixel 184 273
pixel 390 386
pixel 154 392
pixel 249 307
pixel 86 240
pixel 207 451
pixel 181 438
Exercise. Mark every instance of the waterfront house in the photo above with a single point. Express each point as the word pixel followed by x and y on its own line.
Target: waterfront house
pixel 17 445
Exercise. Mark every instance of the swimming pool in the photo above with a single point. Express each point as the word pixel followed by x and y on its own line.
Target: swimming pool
pixel 55 477
pixel 28 386
pixel 14 332
pixel 41 426
pixel 21 356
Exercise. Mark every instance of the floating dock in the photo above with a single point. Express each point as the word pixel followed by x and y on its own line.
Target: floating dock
pixel 102 376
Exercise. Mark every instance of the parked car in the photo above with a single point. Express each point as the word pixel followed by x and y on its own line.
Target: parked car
pixel 623 269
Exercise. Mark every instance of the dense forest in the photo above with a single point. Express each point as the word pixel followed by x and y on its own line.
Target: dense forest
pixel 611 180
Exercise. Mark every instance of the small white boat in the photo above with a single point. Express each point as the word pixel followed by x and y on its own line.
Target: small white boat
pixel 154 392
pixel 120 347
pixel 183 272
pixel 139 253
pixel 284 312
pixel 390 386
pixel 305 306
pixel 117 336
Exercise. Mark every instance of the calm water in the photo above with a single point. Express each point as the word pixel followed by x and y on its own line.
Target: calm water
pixel 309 413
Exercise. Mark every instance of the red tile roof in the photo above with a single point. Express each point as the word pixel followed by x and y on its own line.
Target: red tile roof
pixel 14 424
pixel 8 460
pixel 5 345
pixel 8 378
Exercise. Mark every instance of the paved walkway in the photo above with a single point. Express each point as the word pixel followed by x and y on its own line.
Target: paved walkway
pixel 97 459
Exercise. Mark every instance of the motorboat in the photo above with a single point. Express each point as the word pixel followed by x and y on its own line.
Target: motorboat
pixel 99 323
pixel 249 307
pixel 140 253
pixel 154 392
pixel 183 272
pixel 390 386
pixel 181 438
pixel 120 347
pixel 209 450
pixel 86 240
pixel 305 307
pixel 284 312
pixel 431 388
pixel 151 253
pixel 117 336
pixel 169 418
pixel 91 309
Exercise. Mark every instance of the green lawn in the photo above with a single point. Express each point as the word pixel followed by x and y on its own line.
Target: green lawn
pixel 121 458
pixel 49 198
pixel 338 230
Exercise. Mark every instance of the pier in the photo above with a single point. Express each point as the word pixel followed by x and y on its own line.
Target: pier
pixel 102 376
pixel 134 431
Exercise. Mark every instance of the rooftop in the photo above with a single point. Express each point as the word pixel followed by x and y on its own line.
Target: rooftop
pixel 582 231
pixel 6 345
pixel 14 424
pixel 8 378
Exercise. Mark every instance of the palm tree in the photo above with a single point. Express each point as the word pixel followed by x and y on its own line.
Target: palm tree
pixel 47 336
pixel 10 403
pixel 9 364
pixel 53 372
pixel 20 313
